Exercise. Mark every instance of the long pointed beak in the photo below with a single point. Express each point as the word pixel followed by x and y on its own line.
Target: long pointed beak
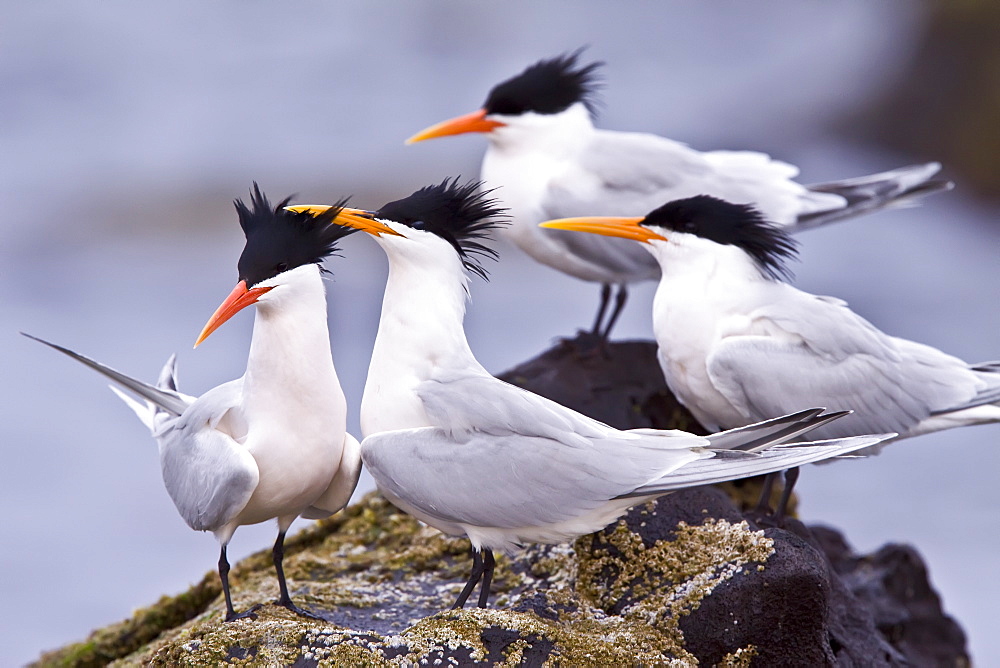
pixel 609 226
pixel 356 218
pixel 238 299
pixel 474 122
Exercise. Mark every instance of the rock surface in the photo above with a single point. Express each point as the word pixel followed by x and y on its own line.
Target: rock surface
pixel 683 581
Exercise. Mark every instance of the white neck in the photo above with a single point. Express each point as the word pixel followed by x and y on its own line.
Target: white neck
pixel 698 261
pixel 420 332
pixel 554 135
pixel 290 370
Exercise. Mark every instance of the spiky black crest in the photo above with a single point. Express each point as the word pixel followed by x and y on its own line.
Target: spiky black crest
pixel 725 223
pixel 547 87
pixel 459 214
pixel 279 240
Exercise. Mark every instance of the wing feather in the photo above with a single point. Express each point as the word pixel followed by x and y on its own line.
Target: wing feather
pixel 512 481
pixel 817 351
pixel 208 474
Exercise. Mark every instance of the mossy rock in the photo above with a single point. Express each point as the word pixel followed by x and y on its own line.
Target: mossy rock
pixel 656 588
pixel 382 584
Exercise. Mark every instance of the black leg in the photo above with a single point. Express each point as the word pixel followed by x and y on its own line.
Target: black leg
pixel 620 298
pixel 764 504
pixel 231 614
pixel 791 476
pixel 284 599
pixel 605 298
pixel 489 563
pixel 477 573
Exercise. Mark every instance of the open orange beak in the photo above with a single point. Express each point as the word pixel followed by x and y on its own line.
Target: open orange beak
pixel 356 218
pixel 609 226
pixel 474 122
pixel 238 299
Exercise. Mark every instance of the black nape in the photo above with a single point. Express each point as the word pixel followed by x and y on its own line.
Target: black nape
pixel 459 214
pixel 726 223
pixel 547 87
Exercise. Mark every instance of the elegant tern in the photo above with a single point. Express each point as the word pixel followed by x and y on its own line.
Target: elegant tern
pixel 272 444
pixel 553 163
pixel 472 455
pixel 738 344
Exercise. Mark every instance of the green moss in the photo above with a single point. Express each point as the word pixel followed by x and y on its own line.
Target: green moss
pixel 670 578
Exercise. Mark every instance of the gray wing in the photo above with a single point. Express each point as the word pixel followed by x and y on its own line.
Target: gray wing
pixel 468 401
pixel 865 194
pixel 513 481
pixel 630 174
pixel 621 174
pixel 818 352
pixel 208 474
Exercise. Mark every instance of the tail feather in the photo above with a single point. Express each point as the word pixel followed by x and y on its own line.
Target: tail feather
pixel 989 373
pixel 164 398
pixel 728 465
pixel 145 411
pixel 865 194
pixel 760 435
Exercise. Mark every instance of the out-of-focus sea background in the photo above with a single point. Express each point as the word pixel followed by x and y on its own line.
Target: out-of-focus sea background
pixel 126 129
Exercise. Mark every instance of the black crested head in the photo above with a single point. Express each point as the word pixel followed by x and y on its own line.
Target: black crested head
pixel 547 87
pixel 279 240
pixel 731 224
pixel 459 214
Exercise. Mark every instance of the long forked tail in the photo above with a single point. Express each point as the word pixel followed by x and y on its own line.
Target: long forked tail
pixel 735 464
pixel 163 397
pixel 865 194
pixel 760 435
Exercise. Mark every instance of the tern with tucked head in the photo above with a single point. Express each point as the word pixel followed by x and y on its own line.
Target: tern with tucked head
pixel 272 444
pixel 553 163
pixel 472 455
pixel 738 344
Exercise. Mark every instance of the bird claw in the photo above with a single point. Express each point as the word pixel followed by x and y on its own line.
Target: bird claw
pixel 301 612
pixel 249 613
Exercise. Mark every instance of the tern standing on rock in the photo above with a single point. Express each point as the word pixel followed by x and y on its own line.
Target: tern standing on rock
pixel 272 444
pixel 472 455
pixel 738 344
pixel 549 161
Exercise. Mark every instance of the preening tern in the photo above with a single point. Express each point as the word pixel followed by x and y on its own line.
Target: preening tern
pixel 553 163
pixel 272 444
pixel 738 344
pixel 470 454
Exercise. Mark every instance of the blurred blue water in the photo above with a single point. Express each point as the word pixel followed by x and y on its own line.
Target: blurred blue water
pixel 125 130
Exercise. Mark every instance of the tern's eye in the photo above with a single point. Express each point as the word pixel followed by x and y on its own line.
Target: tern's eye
pixel 417 224
pixel 281 266
pixel 689 226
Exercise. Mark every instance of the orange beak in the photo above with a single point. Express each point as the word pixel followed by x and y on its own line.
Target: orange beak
pixel 238 299
pixel 356 218
pixel 474 122
pixel 609 226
